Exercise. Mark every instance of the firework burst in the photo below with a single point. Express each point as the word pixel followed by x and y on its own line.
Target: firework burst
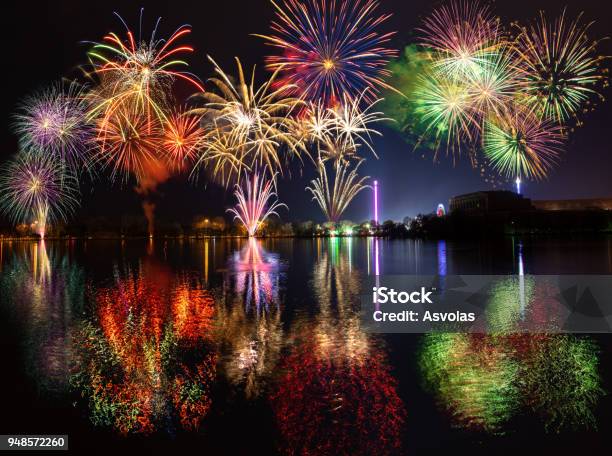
pixel 340 131
pixel 468 84
pixel 220 155
pixel 445 108
pixel 53 121
pixel 520 145
pixel 493 84
pixel 559 67
pixel 251 124
pixel 128 143
pixel 181 138
pixel 137 75
pixel 314 123
pixel 334 200
pixel 352 125
pixel 330 47
pixel 464 35
pixel 36 189
pixel 256 202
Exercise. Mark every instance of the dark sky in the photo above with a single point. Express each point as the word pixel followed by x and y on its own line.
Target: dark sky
pixel 43 42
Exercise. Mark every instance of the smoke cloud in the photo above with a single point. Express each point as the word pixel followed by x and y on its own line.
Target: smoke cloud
pixel 155 173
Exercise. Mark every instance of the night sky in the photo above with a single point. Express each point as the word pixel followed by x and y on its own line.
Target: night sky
pixel 43 42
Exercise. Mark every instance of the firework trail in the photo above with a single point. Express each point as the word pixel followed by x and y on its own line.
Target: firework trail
pixel 314 123
pixel 54 122
pixel 445 108
pixel 467 73
pixel 36 189
pixel 347 184
pixel 433 110
pixel 493 86
pixel 254 205
pixel 351 124
pixel 330 48
pixel 129 144
pixel 220 153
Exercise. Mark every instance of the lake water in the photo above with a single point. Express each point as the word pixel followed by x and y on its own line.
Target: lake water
pixel 234 346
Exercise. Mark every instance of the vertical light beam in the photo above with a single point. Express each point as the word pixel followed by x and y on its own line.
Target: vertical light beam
pixel 376 202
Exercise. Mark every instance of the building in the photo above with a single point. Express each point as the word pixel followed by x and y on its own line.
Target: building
pixel 490 201
pixel 603 204
pixel 504 200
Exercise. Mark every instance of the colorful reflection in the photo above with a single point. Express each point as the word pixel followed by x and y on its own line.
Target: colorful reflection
pixel 248 318
pixel 508 300
pixel 519 303
pixel 145 360
pixel 485 380
pixel 336 287
pixel 471 378
pixel 373 259
pixel 335 393
pixel 255 276
pixel 43 288
pixel 442 262
pixel 560 379
pixel 250 346
pixel 330 401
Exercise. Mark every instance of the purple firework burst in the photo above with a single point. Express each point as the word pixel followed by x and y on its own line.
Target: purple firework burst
pixel 54 122
pixel 37 189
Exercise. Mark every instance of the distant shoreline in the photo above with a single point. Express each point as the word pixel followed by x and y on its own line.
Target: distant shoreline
pixel 322 236
pixel 196 238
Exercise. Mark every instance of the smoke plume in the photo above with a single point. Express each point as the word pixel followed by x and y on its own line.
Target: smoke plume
pixel 156 173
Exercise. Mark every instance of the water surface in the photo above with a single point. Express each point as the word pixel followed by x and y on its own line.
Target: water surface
pixel 234 346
